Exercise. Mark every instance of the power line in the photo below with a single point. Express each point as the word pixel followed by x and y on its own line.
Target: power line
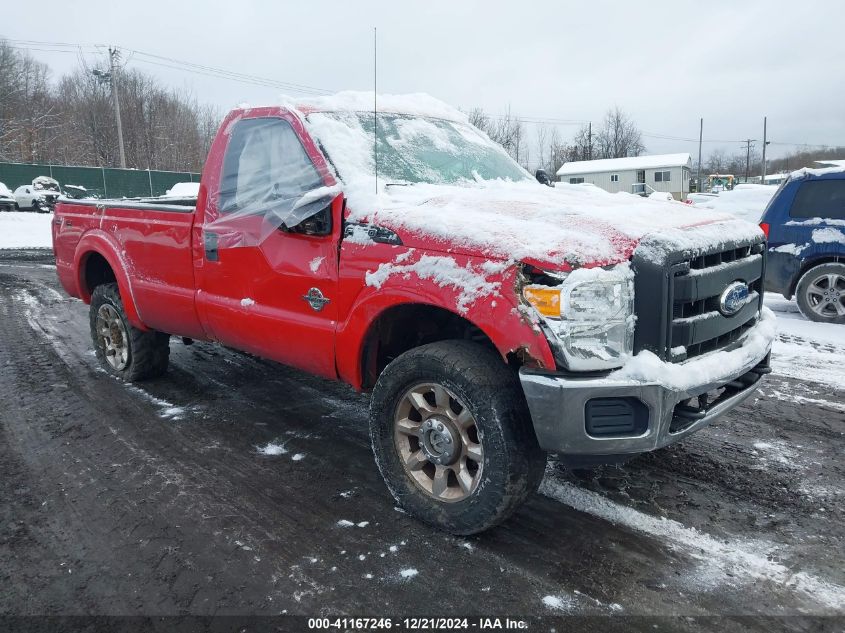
pixel 265 82
pixel 169 62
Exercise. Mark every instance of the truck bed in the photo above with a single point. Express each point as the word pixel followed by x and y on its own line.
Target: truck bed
pixel 151 242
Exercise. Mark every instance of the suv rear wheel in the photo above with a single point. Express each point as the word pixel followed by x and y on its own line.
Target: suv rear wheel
pixel 452 436
pixel 821 293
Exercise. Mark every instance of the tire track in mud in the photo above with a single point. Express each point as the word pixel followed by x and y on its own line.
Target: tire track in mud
pixel 189 505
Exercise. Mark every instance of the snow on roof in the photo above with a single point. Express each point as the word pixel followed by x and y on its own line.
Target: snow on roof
pixel 821 171
pixel 420 104
pixel 832 163
pixel 624 164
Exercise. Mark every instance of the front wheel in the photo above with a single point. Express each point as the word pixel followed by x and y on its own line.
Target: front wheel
pixel 820 293
pixel 452 436
pixel 123 350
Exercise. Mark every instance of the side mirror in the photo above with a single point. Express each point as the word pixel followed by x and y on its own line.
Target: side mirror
pixel 542 177
pixel 311 217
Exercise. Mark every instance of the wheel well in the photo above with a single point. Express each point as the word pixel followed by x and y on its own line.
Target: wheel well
pixel 832 259
pixel 96 272
pixel 405 327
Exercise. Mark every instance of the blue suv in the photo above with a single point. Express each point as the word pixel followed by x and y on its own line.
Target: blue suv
pixel 805 225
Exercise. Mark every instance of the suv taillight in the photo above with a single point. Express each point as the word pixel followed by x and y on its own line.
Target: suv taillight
pixel 765 227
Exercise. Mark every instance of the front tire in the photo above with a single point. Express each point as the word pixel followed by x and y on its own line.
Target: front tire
pixel 452 436
pixel 820 293
pixel 122 349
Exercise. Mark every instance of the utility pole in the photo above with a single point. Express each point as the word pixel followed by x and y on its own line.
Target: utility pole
pixel 114 56
pixel 748 143
pixel 700 139
pixel 765 142
pixel 590 141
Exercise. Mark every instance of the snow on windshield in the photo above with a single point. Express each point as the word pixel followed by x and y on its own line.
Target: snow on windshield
pixel 411 149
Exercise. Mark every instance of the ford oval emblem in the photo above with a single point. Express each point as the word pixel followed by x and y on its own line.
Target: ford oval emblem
pixel 733 298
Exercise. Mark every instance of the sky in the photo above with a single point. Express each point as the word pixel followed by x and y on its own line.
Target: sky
pixel 666 64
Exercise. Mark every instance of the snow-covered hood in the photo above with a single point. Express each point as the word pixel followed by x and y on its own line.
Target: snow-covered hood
pixel 559 228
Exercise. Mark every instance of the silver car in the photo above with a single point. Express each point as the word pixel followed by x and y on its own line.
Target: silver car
pixel 40 196
pixel 7 198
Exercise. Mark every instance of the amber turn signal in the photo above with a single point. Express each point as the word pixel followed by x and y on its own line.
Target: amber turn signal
pixel 545 300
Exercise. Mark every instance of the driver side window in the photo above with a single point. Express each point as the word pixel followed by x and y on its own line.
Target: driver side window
pixel 265 170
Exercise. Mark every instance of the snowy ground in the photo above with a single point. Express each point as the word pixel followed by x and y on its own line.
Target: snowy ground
pixel 805 349
pixel 19 229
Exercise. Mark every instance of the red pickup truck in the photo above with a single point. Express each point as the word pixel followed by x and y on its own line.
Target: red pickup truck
pixel 493 318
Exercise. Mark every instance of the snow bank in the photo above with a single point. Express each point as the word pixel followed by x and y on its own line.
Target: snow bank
pixel 25 230
pixel 745 201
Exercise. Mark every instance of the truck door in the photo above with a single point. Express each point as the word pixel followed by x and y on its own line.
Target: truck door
pixel 266 254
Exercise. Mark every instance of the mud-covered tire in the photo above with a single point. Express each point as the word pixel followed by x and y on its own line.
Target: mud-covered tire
pixel 148 352
pixel 512 464
pixel 809 305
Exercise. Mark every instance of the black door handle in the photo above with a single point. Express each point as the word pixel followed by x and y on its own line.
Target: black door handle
pixel 210 241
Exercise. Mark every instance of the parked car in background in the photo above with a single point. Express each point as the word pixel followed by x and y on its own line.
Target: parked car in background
pixel 805 224
pixel 40 196
pixel 7 198
pixel 78 192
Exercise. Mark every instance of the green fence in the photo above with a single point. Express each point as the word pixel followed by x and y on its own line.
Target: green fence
pixel 106 182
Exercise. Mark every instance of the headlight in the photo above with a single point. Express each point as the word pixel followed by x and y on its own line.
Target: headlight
pixel 591 314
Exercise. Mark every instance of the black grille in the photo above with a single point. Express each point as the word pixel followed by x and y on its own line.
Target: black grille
pixel 677 301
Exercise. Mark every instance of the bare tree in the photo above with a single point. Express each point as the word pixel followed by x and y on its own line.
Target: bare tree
pixel 507 130
pixel 583 145
pixel 72 121
pixel 558 152
pixel 618 136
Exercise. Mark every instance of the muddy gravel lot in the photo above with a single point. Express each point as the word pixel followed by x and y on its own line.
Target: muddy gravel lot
pixel 234 486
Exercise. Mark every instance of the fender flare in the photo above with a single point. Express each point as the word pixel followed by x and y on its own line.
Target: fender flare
pixel 371 304
pixel 103 244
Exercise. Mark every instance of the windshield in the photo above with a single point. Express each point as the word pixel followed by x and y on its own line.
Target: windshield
pixel 411 149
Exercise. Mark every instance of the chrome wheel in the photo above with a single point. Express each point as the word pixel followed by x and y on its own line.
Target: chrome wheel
pixel 826 295
pixel 112 338
pixel 437 439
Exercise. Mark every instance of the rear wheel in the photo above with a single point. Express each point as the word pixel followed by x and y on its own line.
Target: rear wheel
pixel 122 349
pixel 452 436
pixel 821 293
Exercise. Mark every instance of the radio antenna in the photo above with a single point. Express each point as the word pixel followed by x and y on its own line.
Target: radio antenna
pixel 375 102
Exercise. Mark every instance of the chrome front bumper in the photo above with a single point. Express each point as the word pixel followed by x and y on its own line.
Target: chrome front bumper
pixel 558 405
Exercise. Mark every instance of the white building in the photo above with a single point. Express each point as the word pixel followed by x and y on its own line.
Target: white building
pixel 636 174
